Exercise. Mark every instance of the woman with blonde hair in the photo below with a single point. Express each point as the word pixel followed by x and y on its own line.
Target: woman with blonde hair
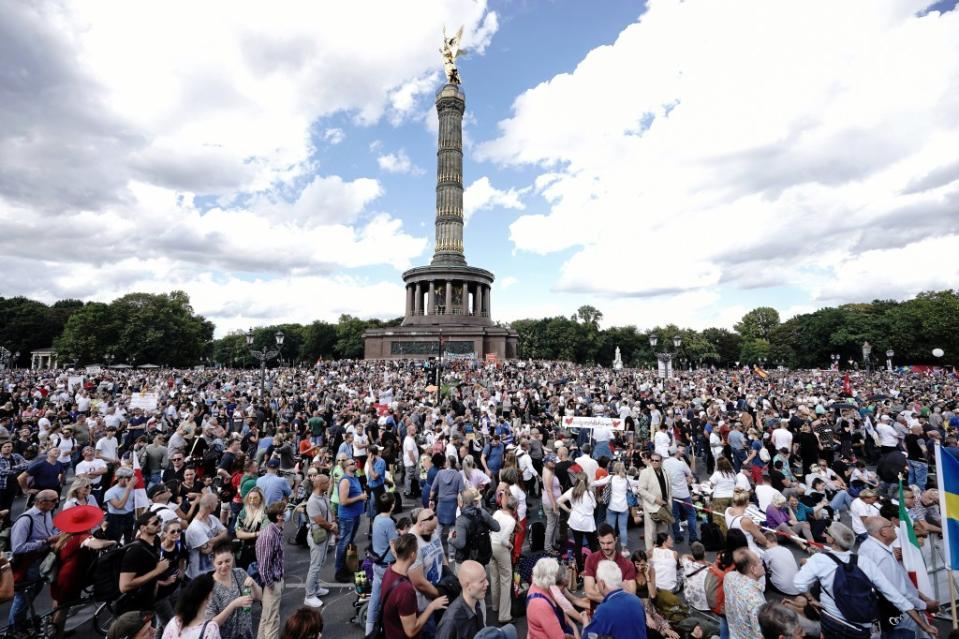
pixel 579 502
pixel 80 494
pixel 251 520
pixel 472 477
pixel 617 498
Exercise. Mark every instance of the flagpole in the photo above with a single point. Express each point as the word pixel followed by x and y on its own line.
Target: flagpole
pixel 952 598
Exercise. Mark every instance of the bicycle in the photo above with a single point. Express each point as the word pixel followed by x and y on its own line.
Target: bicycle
pixel 43 626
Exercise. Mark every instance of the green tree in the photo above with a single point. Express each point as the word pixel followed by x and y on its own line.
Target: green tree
pixel 758 323
pixel 752 350
pixel 589 315
pixel 349 337
pixel 319 341
pixel 725 343
pixel 159 329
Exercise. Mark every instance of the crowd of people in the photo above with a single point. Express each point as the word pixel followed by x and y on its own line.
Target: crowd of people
pixel 762 503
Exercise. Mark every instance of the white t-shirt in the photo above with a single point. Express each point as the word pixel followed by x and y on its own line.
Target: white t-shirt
pixel 581 511
pixel 85 467
pixel 410 451
pixel 765 494
pixel 66 445
pixel 360 442
pixel 859 509
pixel 174 631
pixel 661 441
pixel 782 438
pixel 781 568
pixel 83 403
pixel 197 534
pixel 107 447
pixel 520 496
pixel 723 485
pixel 887 435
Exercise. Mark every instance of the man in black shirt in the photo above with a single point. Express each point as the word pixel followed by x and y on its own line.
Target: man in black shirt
pixel 141 567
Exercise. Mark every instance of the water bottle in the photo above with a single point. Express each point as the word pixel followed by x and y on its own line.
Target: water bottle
pixel 247 591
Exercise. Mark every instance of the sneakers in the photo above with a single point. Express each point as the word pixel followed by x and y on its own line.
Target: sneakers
pixel 322 592
pixel 313 602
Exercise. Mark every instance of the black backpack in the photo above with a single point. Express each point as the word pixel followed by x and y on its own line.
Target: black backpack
pixel 106 574
pixel 711 535
pixel 478 545
pixel 854 594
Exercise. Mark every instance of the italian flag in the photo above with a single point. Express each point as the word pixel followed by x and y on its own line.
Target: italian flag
pixel 912 559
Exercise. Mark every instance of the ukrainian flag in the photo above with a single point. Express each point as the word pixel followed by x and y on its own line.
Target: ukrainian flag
pixel 947 472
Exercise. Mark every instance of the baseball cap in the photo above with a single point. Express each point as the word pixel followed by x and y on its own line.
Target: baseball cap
pixel 124 472
pixel 550 458
pixel 273 463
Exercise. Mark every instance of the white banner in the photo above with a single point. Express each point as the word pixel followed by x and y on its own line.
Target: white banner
pixel 74 381
pixel 613 423
pixel 145 401
pixel 93 370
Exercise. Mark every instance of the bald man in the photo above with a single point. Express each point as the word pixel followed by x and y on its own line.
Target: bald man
pixel 464 617
pixel 31 538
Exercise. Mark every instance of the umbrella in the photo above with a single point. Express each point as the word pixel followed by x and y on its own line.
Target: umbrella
pixel 879 397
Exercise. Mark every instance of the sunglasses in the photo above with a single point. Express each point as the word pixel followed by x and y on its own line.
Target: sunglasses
pixel 425 519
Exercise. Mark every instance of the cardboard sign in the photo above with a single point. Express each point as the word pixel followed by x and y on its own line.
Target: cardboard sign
pixel 145 401
pixel 93 370
pixel 613 423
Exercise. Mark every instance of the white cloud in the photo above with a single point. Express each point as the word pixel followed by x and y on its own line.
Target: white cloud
pixel 754 145
pixel 334 135
pixel 398 162
pixel 507 281
pixel 481 195
pixel 112 130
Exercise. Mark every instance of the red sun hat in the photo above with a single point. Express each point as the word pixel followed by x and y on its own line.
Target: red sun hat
pixel 78 519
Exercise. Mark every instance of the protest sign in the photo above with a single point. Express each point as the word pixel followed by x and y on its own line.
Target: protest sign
pixel 593 422
pixel 144 401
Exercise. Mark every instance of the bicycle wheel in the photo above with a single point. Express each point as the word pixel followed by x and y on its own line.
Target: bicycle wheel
pixel 103 618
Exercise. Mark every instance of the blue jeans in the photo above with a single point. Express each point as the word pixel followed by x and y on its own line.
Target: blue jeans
pixel 723 628
pixel 840 501
pixel 155 478
pixel 373 610
pixel 22 598
pixel 918 473
pixel 615 520
pixel 348 526
pixel 689 515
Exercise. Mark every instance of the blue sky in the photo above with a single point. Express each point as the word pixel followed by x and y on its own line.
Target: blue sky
pixel 671 162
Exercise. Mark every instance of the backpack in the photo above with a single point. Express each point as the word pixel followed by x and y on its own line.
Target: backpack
pixel 715 595
pixel 379 630
pixel 854 594
pixel 711 535
pixel 478 546
pixel 106 574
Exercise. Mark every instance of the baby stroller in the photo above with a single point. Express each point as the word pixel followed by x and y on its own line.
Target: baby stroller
pixel 363 587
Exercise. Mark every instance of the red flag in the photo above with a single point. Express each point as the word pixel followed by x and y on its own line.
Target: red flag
pixel 140 499
pixel 846 385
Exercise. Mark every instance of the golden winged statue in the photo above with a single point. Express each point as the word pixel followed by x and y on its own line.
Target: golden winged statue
pixel 451 50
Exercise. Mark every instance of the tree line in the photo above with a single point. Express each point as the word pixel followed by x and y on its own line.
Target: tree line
pixel 163 329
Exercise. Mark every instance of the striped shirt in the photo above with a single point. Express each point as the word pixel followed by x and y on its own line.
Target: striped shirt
pixel 269 554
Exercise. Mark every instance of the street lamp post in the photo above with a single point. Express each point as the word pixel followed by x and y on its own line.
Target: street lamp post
pixel 889 355
pixel 866 350
pixel 835 357
pixel 664 357
pixel 108 358
pixel 264 355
